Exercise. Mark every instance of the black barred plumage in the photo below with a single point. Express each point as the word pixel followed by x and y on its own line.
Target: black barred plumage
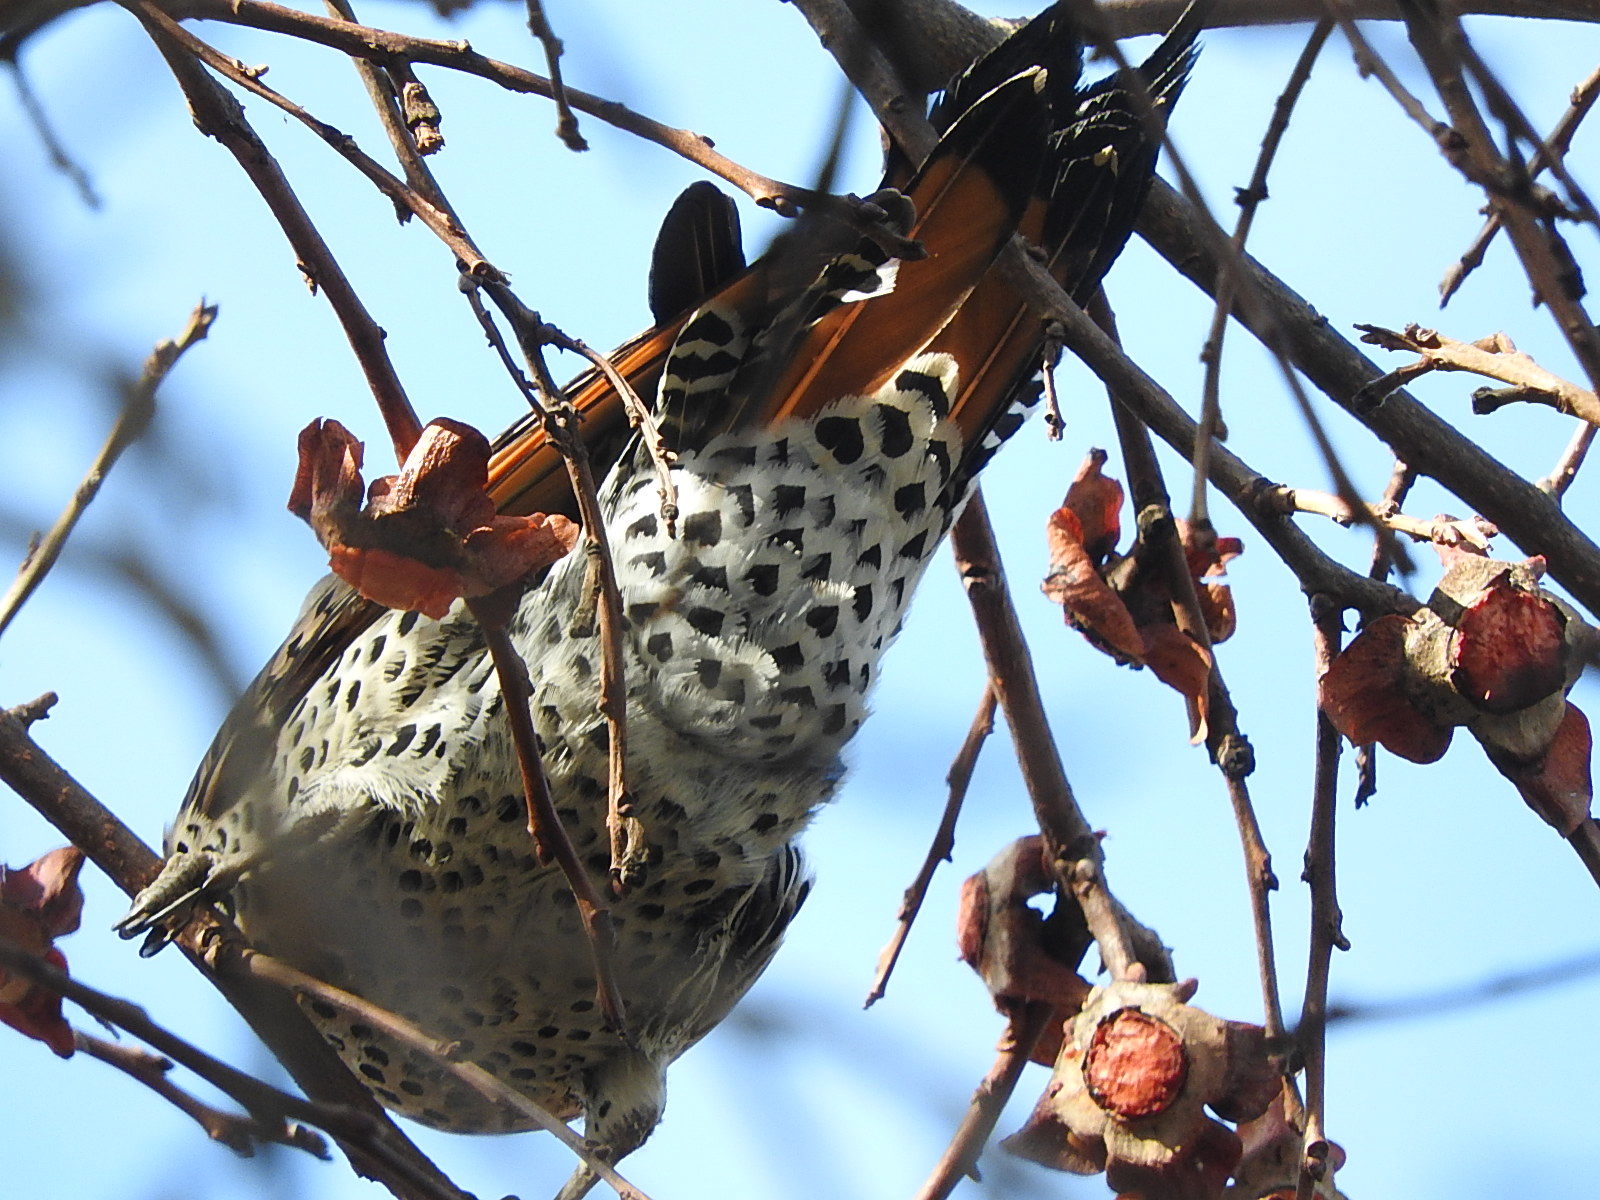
pixel 827 410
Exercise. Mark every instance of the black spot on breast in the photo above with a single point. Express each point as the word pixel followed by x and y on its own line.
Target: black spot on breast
pixel 641 612
pixel 743 497
pixel 660 645
pixel 765 822
pixel 789 658
pixel 896 427
pixel 824 619
pixel 372 1072
pixel 703 527
pixel 708 671
pixel 706 620
pixel 696 887
pixel 818 568
pixel 770 721
pixel 841 437
pixel 861 602
pixel 408 622
pixel 352 695
pixel 410 881
pixel 402 738
pixel 509 809
pixel 655 562
pixel 710 577
pixel 800 697
pixel 872 556
pixel 644 527
pixel 939 454
pixel 910 500
pixel 787 498
pixel 744 456
pixel 375 649
pixel 762 578
pixel 308 756
pixel 916 547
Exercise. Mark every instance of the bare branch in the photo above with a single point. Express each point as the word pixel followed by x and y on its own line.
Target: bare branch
pixel 944 840
pixel 137 410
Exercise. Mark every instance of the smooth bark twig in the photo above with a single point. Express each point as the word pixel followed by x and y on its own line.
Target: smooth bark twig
pixel 1326 933
pixel 241 1134
pixel 138 409
pixel 960 1158
pixel 944 840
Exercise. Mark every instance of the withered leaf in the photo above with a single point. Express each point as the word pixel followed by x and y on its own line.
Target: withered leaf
pixel 1076 585
pixel 428 535
pixel 1508 649
pixel 1364 695
pixel 1096 500
pixel 39 903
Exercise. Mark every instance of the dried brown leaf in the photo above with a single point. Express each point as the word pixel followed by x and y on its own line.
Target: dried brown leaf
pixel 1364 694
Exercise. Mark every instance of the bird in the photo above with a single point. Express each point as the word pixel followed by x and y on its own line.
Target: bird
pixel 826 411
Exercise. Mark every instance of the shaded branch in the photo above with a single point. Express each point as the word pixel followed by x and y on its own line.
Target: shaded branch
pixel 138 408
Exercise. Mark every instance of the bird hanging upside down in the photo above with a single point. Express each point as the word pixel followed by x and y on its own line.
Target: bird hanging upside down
pixel 361 814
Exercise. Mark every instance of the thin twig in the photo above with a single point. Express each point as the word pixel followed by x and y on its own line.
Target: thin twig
pixel 486 1085
pixel 1557 143
pixel 374 1144
pixel 380 45
pixel 267 1104
pixel 218 115
pixel 561 425
pixel 241 1134
pixel 1566 470
pixel 960 1158
pixel 60 159
pixel 1443 531
pixel 138 408
pixel 640 417
pixel 944 840
pixel 566 121
pixel 1208 230
pixel 1326 933
pixel 544 823
pixel 1395 492
pixel 1528 516
pixel 1228 746
pixel 405 197
pixel 1072 844
pixel 1491 991
pixel 1054 424
pixel 1469 146
pixel 1493 357
pixel 1249 198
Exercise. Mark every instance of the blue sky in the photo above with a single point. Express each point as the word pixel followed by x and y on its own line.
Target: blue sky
pixel 1445 879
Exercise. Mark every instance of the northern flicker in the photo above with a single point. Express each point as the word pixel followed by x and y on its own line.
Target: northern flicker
pixel 360 814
